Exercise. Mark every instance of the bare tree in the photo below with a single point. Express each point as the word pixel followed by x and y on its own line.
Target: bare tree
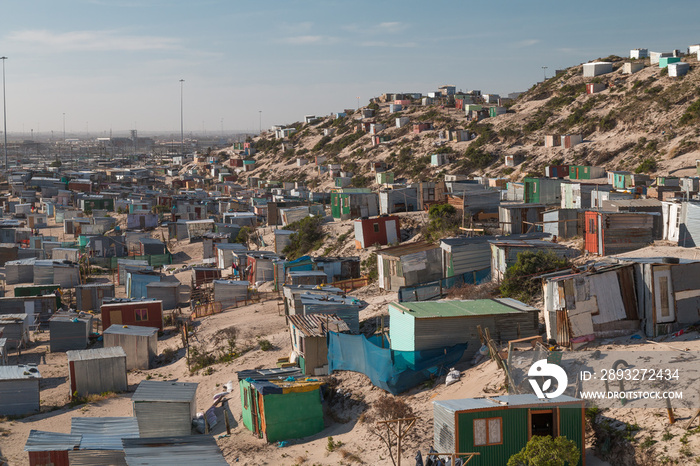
pixel 387 408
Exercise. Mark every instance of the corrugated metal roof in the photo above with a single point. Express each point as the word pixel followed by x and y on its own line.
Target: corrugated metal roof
pixel 232 282
pixel 137 330
pixel 269 374
pixel 476 404
pixel 96 353
pixel 166 451
pixel 12 318
pixel 635 202
pixel 152 390
pixel 22 372
pixel 104 433
pixel 40 440
pixel 398 251
pixel 95 285
pixel 316 325
pixel 456 308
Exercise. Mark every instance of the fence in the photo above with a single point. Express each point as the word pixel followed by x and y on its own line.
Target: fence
pixel 254 297
pixel 206 309
pixel 351 284
pixel 438 289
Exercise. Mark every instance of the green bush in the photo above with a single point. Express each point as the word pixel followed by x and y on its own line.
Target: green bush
pixel 444 221
pixel 608 122
pixel 243 235
pixel 308 237
pixel 546 451
pixel 519 281
pixel 370 268
pixel 647 166
pixel 692 113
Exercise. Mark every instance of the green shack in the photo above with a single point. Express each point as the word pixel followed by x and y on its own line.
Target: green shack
pixel 38 290
pixel 500 426
pixel 280 409
pixel 350 203
pixel 385 177
pixel 665 61
pixel 585 172
pixel 542 191
pixel 621 180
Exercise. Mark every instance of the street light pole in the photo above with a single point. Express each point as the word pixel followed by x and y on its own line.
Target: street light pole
pixel 544 70
pixel 260 122
pixel 182 124
pixel 4 109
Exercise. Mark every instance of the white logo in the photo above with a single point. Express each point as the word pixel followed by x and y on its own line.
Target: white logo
pixel 542 369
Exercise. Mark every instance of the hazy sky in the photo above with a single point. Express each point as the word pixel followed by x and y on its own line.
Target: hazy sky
pixel 116 64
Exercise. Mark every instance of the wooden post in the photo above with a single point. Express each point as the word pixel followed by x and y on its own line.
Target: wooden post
pixel 228 425
pixel 669 410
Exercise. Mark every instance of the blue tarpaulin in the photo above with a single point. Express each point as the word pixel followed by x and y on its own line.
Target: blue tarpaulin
pixel 393 371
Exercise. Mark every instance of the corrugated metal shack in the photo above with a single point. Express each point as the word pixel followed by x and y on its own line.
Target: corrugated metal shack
pixel 499 427
pixel 8 252
pixel 542 191
pixel 208 241
pixel 519 218
pixel 652 206
pixel 582 307
pixel 408 264
pixel 47 272
pixel 689 229
pixel 38 308
pixel 279 410
pixel 20 271
pixel 338 268
pixel 15 329
pixel 308 336
pixel 609 233
pixel 19 390
pixel 90 297
pixel 282 239
pixel 292 295
pixel 306 277
pixel 579 195
pixel 139 343
pixel 418 326
pixel 97 370
pixel 65 254
pixel 474 198
pixel 347 309
pixel 101 440
pixel 165 408
pixel 145 313
pixel 162 451
pixel 562 223
pixel 462 255
pixel 168 292
pixel 137 280
pixel 50 448
pixel 398 200
pixel 69 331
pixel 230 292
pixel 225 254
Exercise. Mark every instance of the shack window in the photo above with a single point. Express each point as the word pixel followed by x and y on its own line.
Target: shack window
pixel 376 227
pixel 488 431
pixel 141 315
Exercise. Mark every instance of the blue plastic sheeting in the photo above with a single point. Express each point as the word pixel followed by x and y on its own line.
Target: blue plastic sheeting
pixel 393 371
pixel 438 289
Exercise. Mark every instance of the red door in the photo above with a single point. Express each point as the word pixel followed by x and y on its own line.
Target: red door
pixel 591 232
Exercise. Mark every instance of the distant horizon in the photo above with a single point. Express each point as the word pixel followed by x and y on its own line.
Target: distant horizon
pixel 214 65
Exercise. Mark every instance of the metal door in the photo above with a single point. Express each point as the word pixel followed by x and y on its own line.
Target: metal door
pixel 591 232
pixel 391 231
pixel 115 317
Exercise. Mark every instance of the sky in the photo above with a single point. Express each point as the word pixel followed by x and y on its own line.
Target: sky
pixel 116 65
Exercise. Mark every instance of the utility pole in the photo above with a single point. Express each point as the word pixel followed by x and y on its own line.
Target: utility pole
pixel 182 125
pixel 260 122
pixel 4 109
pixel 544 70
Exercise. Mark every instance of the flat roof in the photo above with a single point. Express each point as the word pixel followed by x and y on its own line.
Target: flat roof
pixel 461 308
pixel 503 401
pixel 118 329
pixel 95 353
pixel 21 372
pixel 154 390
